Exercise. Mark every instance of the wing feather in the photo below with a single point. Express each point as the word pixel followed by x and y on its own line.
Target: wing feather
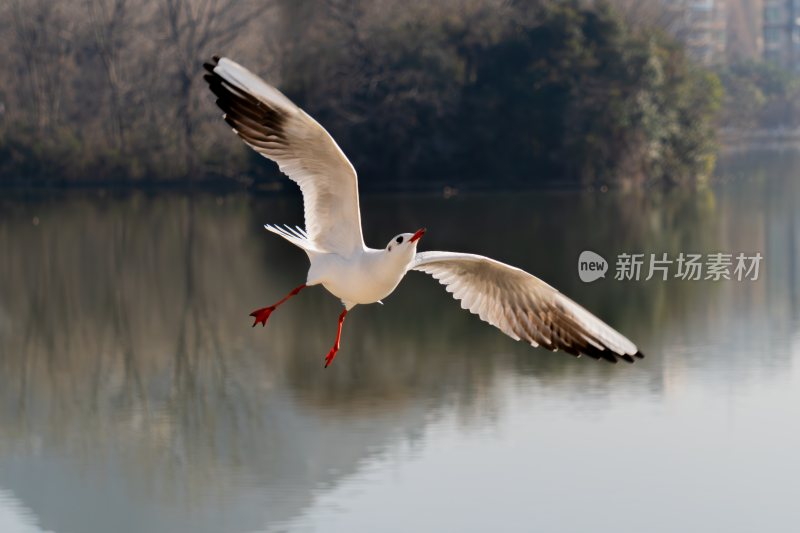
pixel 274 127
pixel 524 307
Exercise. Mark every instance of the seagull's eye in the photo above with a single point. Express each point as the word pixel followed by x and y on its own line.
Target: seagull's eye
pixel 400 240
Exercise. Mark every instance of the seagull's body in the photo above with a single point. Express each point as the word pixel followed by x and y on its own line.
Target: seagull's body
pixel 364 277
pixel 519 304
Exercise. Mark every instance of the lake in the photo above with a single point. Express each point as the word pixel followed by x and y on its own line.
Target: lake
pixel 135 396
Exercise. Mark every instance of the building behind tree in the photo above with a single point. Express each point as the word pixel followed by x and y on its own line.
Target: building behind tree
pixel 703 26
pixel 782 33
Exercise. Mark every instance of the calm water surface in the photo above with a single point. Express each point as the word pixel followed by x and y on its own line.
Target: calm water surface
pixel 135 397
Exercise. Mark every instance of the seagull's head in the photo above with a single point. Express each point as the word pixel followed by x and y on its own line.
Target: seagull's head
pixel 405 243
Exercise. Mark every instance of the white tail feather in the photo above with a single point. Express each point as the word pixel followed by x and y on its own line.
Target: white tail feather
pixel 296 236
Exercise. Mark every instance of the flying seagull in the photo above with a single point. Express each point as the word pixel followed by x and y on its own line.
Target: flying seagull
pixel 517 303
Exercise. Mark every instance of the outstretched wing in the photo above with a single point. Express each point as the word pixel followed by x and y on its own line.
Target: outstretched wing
pixel 524 307
pixel 279 130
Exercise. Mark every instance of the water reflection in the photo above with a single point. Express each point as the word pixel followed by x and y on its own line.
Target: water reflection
pixel 135 396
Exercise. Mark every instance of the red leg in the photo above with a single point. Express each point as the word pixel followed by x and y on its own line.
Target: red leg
pixel 261 315
pixel 332 353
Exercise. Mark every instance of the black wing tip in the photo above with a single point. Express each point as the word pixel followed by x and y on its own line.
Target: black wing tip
pixel 210 65
pixel 631 358
pixel 599 354
pixel 255 121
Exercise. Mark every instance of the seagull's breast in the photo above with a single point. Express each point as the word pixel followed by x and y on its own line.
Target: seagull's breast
pixel 363 279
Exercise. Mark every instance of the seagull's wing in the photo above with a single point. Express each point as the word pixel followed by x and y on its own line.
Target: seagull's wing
pixel 524 307
pixel 277 129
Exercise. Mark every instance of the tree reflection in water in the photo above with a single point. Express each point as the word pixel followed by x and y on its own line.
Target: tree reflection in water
pixel 127 357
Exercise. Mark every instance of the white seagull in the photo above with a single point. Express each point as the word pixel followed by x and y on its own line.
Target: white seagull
pixel 519 304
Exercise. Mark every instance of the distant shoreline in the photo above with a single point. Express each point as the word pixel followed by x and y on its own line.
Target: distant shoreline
pixel 732 143
pixel 738 140
pixel 277 188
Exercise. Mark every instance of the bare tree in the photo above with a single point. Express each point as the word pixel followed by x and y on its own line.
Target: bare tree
pixel 109 22
pixel 196 29
pixel 42 36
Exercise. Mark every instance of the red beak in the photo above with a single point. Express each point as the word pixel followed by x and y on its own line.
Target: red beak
pixel 417 235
